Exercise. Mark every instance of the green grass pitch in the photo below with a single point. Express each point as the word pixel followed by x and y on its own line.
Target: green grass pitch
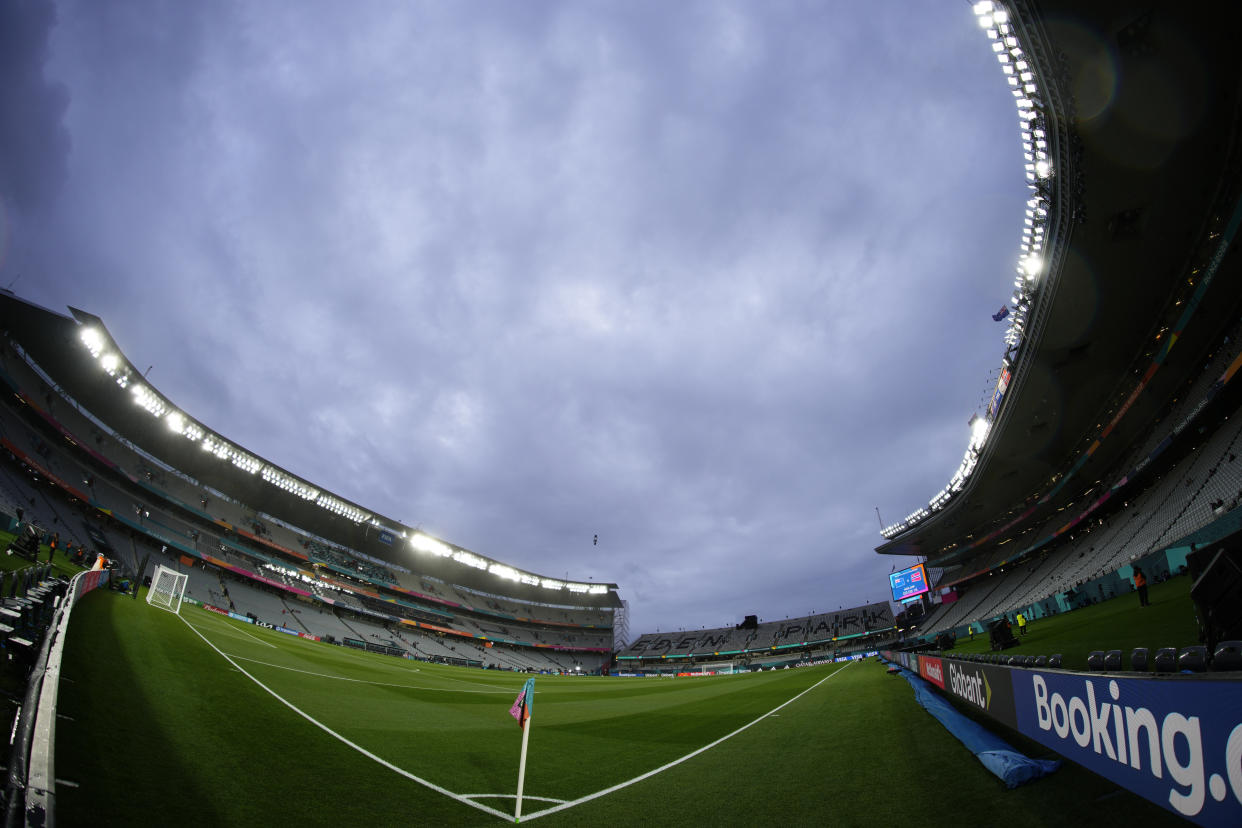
pixel 157 727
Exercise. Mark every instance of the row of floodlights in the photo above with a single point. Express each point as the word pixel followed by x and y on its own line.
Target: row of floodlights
pixel 425 543
pixel 979 430
pixel 147 399
pixel 1021 77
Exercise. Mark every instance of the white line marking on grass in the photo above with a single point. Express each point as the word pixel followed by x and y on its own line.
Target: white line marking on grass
pixel 360 681
pixel 512 796
pixel 232 629
pixel 428 784
pixel 675 762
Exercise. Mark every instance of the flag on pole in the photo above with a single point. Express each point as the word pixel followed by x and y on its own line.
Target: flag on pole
pixel 521 712
pixel 522 705
pixel 1000 314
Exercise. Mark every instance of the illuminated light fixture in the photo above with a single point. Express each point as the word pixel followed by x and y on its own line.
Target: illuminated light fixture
pixel 1031 266
pixel 110 362
pixel 1043 169
pixel 423 543
pixel 983 7
pixel 93 339
pixel 175 422
pixel 1001 16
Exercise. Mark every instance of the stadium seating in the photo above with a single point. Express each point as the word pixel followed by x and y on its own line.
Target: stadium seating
pixel 1112 660
pixel 1095 660
pixel 1138 659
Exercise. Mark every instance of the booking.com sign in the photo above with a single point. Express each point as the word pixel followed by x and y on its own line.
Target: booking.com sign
pixel 1176 741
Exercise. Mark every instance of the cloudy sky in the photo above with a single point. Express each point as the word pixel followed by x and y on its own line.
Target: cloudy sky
pixel 712 280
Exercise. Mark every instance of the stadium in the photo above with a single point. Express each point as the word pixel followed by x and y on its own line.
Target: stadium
pixel 197 635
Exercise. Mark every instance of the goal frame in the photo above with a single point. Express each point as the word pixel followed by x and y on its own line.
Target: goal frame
pixel 167 588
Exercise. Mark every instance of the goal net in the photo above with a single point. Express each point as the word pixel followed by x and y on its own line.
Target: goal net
pixel 167 587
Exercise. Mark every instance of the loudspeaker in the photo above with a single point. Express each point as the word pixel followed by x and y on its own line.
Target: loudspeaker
pixel 1217 592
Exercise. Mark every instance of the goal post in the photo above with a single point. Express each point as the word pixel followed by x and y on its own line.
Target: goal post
pixel 167 587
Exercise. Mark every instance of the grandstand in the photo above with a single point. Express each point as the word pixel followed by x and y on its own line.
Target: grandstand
pixel 765 644
pixel 1111 440
pixel 147 481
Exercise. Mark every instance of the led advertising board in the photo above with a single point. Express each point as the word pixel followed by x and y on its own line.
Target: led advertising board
pixel 908 582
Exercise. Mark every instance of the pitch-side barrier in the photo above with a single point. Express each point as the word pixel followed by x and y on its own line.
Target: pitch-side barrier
pixel 31 770
pixel 1173 739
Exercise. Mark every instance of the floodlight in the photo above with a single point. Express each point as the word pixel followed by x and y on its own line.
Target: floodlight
pixel 175 421
pixel 1032 265
pixel 1001 16
pixel 110 362
pixel 1043 169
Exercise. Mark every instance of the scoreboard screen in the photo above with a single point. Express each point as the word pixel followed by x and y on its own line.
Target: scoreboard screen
pixel 908 582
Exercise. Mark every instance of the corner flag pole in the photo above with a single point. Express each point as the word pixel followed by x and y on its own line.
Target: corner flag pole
pixel 517 817
pixel 521 711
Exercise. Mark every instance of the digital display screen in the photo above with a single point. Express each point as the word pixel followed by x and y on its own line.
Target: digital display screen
pixel 908 583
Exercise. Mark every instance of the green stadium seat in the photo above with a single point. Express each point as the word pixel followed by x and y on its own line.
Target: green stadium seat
pixel 1228 656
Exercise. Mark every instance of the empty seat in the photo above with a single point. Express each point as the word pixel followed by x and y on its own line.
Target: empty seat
pixel 1095 660
pixel 1228 656
pixel 1193 658
pixel 1054 661
pixel 1041 661
pixel 1138 659
pixel 1112 660
pixel 1166 660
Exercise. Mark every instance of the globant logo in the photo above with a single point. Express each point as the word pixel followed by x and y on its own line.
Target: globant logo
pixel 973 688
pixel 1137 738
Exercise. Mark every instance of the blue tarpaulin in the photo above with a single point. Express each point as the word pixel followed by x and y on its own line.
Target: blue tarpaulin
pixel 995 753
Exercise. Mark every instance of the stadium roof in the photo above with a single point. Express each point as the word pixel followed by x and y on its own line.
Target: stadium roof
pixel 54 342
pixel 1146 109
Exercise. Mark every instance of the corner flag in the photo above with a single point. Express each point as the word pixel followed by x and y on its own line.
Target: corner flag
pixel 522 705
pixel 521 711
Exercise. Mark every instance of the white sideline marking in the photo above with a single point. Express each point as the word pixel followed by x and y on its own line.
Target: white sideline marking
pixel 433 786
pixel 675 762
pixel 362 681
pixel 229 628
pixel 464 799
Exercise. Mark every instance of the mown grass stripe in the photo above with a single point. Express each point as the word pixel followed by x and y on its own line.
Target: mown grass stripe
pixel 359 748
pixel 681 759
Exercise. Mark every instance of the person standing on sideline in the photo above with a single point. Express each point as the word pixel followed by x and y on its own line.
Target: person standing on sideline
pixel 1021 624
pixel 1140 584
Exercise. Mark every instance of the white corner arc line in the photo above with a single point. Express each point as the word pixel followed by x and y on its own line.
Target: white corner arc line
pixel 428 784
pixel 675 762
